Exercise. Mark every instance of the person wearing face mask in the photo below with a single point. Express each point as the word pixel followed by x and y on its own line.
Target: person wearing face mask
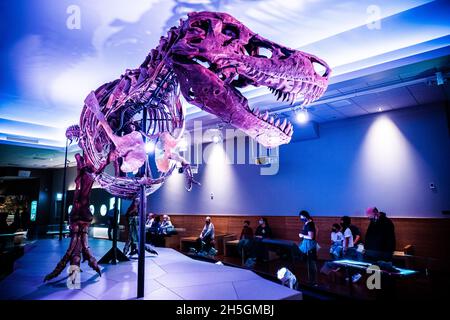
pixel 380 237
pixel 206 239
pixel 337 239
pixel 308 245
pixel 349 250
pixel 263 230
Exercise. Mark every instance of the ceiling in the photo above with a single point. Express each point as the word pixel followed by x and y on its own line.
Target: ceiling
pixel 48 67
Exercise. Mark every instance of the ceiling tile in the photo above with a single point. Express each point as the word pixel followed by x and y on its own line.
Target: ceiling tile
pixel 425 93
pixel 352 111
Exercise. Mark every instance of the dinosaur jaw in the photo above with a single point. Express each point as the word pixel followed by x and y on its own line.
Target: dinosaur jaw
pixel 205 89
pixel 287 81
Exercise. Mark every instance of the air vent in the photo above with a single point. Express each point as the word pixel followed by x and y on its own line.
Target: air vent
pixel 340 103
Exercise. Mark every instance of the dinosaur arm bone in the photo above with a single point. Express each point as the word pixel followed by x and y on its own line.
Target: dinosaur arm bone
pixel 186 169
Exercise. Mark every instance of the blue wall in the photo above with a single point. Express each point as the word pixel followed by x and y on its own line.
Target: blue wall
pixel 387 159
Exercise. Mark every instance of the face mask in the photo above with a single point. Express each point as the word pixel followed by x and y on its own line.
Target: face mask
pixel 303 219
pixel 260 221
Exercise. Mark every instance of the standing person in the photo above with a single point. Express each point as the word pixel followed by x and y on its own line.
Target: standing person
pixel 110 215
pixel 245 239
pixel 308 245
pixel 349 249
pixel 380 237
pixel 206 239
pixel 348 244
pixel 132 215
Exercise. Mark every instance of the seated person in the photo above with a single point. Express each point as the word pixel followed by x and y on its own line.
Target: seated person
pixel 206 239
pixel 337 239
pixel 263 230
pixel 149 220
pixel 246 238
pixel 166 226
pixel 153 232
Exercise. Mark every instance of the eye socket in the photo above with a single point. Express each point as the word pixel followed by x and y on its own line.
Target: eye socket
pixel 264 52
pixel 202 24
pixel 230 31
pixel 320 69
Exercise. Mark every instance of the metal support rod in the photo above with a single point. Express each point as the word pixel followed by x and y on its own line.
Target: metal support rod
pixel 142 210
pixel 116 216
pixel 63 200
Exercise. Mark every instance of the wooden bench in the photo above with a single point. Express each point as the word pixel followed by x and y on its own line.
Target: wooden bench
pixel 186 243
pixel 219 243
pixel 273 246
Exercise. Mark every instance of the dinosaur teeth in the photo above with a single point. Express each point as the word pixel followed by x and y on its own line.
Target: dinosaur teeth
pixel 277 123
pixel 288 128
pixel 283 124
pixel 294 97
pixel 280 93
pixel 265 116
pixel 271 120
pixel 256 111
pixel 291 131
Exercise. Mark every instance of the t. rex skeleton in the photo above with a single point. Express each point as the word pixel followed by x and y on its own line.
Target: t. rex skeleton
pixel 207 57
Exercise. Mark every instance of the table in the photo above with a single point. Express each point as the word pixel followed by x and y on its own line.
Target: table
pixel 390 277
pixel 361 265
pixel 290 246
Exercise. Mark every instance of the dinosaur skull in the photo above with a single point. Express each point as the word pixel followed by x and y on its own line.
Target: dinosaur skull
pixel 216 54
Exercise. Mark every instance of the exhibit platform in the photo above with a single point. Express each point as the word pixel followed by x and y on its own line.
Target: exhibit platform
pixel 169 276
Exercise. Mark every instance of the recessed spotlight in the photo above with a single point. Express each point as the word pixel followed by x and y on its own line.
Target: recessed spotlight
pixel 216 139
pixel 216 135
pixel 380 109
pixel 302 116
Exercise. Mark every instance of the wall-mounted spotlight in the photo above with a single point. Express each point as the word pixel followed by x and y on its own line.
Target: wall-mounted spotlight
pixel 287 278
pixel 302 115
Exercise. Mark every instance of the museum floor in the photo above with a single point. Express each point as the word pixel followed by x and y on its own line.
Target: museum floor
pixel 168 276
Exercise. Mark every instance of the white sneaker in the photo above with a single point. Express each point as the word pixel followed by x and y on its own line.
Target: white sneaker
pixel 356 277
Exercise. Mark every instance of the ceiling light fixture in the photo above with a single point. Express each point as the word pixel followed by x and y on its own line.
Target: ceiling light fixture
pixel 302 115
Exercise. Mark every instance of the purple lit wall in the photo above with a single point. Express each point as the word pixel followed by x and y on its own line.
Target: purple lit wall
pixel 387 159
